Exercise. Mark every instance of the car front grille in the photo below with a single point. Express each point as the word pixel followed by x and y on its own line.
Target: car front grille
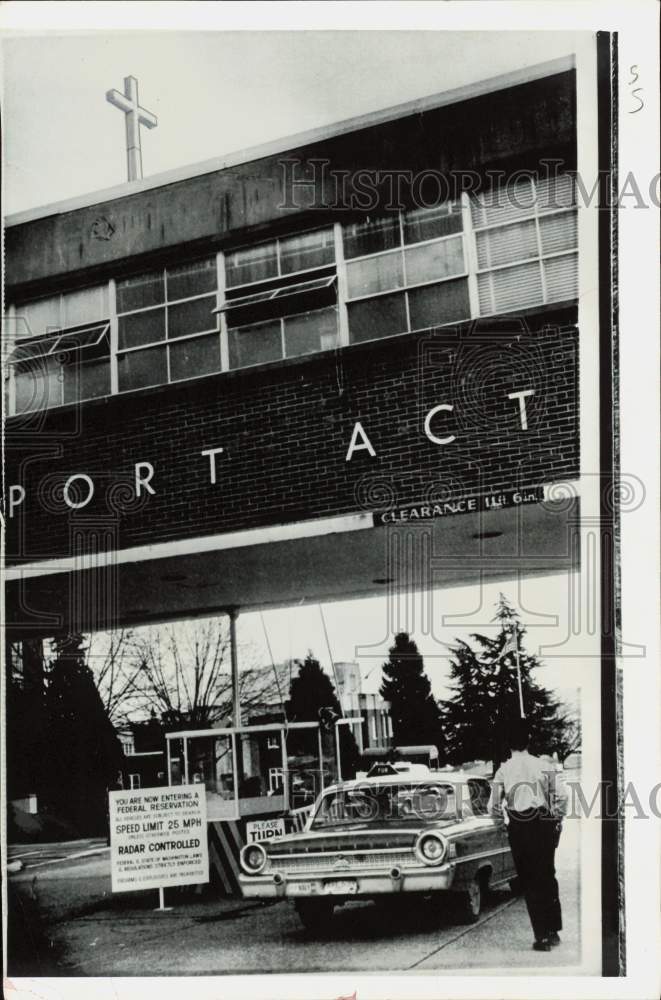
pixel 298 864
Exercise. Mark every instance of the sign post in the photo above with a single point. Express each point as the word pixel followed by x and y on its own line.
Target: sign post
pixel 161 908
pixel 158 838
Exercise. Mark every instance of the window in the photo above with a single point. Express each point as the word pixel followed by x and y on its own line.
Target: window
pixel 499 251
pixel 276 780
pixel 134 781
pixel 386 805
pixel 421 252
pixel 282 299
pixel 61 351
pixel 128 745
pixel 167 328
pixel 43 317
pixel 526 241
pixel 289 255
pixel 479 791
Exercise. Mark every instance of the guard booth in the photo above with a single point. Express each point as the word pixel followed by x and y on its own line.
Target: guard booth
pixel 252 774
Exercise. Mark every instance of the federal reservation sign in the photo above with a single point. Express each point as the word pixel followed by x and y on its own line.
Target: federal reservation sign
pixel 158 837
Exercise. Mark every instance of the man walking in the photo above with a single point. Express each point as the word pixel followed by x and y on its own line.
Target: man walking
pixel 535 801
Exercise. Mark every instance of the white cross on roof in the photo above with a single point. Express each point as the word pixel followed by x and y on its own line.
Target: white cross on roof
pixel 135 117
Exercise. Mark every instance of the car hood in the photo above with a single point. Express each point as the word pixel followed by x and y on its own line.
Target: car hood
pixel 348 840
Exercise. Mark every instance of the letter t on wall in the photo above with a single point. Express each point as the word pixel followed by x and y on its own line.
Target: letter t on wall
pixel 212 452
pixel 521 396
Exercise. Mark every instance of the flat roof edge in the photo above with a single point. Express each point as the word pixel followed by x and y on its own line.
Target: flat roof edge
pixel 525 74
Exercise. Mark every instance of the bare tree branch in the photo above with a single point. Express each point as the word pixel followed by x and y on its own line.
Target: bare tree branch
pixel 180 672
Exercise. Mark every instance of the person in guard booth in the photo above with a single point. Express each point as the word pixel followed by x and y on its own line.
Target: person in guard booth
pixel 535 800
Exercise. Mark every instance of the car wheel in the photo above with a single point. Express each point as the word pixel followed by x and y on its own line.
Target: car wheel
pixel 469 903
pixel 314 914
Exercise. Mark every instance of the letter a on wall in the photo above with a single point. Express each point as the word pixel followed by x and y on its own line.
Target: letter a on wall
pixel 363 445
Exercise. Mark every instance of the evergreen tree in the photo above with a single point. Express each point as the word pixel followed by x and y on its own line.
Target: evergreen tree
pixel 486 699
pixel 413 709
pixel 26 740
pixel 312 698
pixel 84 752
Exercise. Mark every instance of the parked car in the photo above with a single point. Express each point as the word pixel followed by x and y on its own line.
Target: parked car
pixel 383 836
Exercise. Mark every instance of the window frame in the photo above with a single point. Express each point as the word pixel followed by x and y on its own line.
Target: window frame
pixel 405 288
pixel 536 213
pixel 277 240
pixel 294 279
pixel 165 341
pixel 281 320
pixel 472 272
pixel 476 781
pixel 50 353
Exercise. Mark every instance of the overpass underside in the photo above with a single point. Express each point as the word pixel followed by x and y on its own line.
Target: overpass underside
pixel 337 558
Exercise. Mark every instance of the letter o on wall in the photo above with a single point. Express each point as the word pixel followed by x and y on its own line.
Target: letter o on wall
pixel 77 504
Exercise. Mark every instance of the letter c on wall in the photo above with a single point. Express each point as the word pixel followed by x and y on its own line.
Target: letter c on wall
pixel 428 419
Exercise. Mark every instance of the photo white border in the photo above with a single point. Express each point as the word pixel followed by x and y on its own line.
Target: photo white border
pixel 637 25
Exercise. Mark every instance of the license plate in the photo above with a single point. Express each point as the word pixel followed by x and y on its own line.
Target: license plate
pixel 304 888
pixel 343 887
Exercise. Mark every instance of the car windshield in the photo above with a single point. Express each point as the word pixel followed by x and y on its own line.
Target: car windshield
pixel 387 804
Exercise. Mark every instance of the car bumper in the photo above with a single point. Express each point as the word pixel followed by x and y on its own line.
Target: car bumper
pixel 346 885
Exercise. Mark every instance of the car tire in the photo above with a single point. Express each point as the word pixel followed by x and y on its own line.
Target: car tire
pixel 314 914
pixel 469 902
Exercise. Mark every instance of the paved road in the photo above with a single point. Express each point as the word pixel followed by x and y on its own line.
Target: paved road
pixel 121 935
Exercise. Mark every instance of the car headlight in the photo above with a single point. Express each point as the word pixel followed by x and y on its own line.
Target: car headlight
pixel 253 858
pixel 431 848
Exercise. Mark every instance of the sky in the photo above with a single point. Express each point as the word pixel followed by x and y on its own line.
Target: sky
pixel 216 92
pixel 363 630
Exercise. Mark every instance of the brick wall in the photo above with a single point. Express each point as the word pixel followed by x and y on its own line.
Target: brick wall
pixel 285 430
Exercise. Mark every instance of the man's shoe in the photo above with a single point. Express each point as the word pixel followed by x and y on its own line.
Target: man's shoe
pixel 554 939
pixel 541 945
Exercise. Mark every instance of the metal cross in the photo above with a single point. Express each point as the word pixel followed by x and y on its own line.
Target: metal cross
pixel 135 117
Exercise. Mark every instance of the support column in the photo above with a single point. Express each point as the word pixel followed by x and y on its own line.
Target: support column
pixel 236 700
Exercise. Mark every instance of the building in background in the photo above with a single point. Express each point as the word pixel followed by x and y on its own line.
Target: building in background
pixel 375 730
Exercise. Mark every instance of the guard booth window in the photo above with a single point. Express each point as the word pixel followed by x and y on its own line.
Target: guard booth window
pixel 249 770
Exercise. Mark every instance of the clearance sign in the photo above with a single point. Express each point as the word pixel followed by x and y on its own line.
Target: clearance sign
pixel 158 837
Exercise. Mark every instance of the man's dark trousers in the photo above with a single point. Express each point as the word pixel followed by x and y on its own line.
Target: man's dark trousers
pixel 532 836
